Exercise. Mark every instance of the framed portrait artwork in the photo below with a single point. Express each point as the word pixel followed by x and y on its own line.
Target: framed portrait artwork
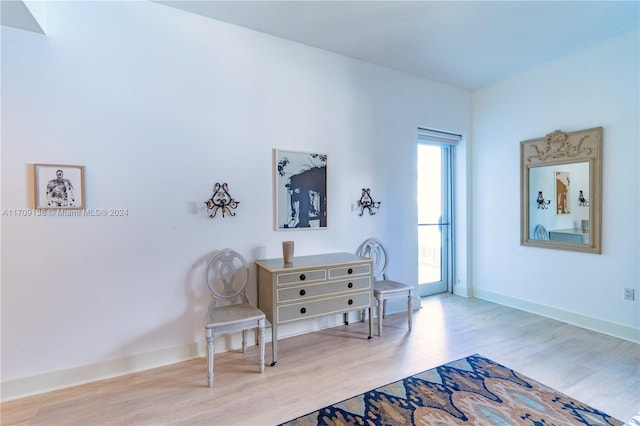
pixel 300 187
pixel 59 186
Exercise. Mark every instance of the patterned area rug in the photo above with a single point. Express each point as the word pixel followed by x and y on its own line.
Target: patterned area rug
pixel 473 391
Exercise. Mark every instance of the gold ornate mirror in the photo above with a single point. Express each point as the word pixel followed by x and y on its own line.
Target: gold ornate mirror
pixel 561 191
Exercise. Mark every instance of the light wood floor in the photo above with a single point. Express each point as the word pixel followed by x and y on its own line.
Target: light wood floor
pixel 328 366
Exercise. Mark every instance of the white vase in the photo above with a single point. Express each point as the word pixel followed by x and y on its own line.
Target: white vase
pixel 287 251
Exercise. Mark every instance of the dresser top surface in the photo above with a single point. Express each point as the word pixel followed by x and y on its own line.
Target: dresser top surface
pixel 572 231
pixel 316 260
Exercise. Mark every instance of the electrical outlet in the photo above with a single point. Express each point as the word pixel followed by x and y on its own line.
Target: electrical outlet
pixel 629 294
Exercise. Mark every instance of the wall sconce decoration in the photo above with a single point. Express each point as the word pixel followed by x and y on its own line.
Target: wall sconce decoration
pixel 542 203
pixel 583 202
pixel 221 199
pixel 366 202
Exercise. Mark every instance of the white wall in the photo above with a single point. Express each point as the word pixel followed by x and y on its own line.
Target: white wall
pixel 597 86
pixel 158 105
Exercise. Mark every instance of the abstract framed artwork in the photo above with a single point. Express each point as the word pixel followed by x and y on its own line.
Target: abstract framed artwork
pixel 59 186
pixel 300 190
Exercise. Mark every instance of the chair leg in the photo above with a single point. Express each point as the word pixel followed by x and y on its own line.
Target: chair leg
pixel 380 309
pixel 261 343
pixel 210 354
pixel 244 341
pixel 410 309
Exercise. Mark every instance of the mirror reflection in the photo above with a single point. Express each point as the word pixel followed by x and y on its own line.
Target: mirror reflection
pixel 558 206
pixel 561 191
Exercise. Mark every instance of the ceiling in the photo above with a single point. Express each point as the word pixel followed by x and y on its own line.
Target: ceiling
pixel 16 14
pixel 466 44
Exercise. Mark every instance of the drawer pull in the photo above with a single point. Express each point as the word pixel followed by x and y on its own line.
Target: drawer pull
pixel 302 292
pixel 350 301
pixel 302 277
pixel 349 271
pixel 303 310
pixel 350 285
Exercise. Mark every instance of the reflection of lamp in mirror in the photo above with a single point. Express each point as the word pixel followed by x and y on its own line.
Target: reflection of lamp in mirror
pixel 583 202
pixel 585 225
pixel 542 203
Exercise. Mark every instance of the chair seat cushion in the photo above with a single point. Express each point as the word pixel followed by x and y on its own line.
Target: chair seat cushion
pixel 390 287
pixel 232 314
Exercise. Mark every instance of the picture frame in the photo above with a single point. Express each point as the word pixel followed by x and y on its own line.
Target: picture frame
pixel 300 190
pixel 59 186
pixel 563 184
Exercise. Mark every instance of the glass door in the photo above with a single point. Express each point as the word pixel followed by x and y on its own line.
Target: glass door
pixel 434 211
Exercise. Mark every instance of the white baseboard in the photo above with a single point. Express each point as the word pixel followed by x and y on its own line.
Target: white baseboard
pixel 106 369
pixel 41 383
pixel 594 324
pixel 47 382
pixel 461 290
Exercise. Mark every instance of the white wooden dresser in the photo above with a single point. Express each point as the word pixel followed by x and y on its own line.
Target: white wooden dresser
pixel 313 286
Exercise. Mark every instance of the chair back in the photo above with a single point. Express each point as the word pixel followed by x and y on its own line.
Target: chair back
pixel 373 249
pixel 540 233
pixel 227 277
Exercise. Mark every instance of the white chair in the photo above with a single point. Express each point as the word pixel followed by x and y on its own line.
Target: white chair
pixel 540 233
pixel 227 276
pixel 384 288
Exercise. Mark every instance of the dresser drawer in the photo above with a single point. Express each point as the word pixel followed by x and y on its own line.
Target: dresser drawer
pixel 301 276
pixel 349 270
pixel 312 287
pixel 298 292
pixel 331 305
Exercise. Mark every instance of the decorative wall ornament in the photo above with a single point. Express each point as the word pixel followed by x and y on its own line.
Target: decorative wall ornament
pixel 558 145
pixel 542 203
pixel 366 202
pixel 221 200
pixel 582 202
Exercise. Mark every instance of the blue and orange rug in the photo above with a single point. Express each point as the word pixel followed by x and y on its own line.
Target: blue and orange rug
pixel 472 391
